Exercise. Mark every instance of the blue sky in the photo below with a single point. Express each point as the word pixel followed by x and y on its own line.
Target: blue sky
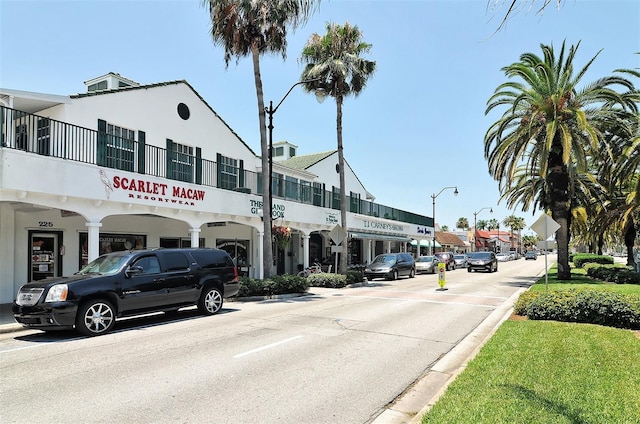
pixel 417 127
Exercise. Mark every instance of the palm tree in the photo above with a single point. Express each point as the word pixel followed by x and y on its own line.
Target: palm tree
pixel 493 224
pixel 334 62
pixel 483 224
pixel 514 223
pixel 530 241
pixel 462 223
pixel 514 6
pixel 255 27
pixel 550 127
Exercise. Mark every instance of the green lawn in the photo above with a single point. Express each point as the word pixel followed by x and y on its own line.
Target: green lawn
pixel 549 372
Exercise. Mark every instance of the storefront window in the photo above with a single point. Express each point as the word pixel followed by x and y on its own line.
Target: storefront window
pixel 111 243
pixel 238 250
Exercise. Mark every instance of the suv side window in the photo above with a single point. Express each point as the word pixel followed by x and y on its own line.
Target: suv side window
pixel 149 264
pixel 175 261
pixel 210 259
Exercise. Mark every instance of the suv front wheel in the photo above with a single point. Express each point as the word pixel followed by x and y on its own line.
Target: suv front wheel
pixel 95 317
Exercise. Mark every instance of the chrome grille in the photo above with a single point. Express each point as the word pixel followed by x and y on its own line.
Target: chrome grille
pixel 29 297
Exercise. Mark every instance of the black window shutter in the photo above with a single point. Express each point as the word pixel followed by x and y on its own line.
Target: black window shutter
pixel 241 174
pixel 198 165
pixel 218 170
pixel 142 152
pixel 101 148
pixel 170 159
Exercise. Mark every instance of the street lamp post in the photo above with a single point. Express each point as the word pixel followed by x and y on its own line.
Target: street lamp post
pixel 475 223
pixel 320 96
pixel 433 198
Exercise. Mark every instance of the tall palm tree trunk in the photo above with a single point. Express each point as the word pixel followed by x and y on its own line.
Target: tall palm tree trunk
pixel 267 241
pixel 343 195
pixel 629 239
pixel 558 185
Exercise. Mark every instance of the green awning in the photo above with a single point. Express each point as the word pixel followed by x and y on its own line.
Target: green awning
pixel 377 236
pixel 425 243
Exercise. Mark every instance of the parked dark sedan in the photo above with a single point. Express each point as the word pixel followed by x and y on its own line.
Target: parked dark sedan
pixel 482 261
pixel 448 259
pixel 391 266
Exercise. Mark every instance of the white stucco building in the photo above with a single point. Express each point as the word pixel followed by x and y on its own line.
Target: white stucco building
pixel 127 166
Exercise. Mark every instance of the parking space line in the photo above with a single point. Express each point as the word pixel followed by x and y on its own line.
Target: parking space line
pixel 269 346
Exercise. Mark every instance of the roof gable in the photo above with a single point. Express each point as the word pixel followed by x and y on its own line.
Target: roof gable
pixel 160 85
pixel 449 239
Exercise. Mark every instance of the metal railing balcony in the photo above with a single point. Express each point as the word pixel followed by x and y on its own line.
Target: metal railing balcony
pixel 49 137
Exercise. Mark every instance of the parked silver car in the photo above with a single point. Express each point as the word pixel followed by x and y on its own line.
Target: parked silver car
pixel 461 261
pixel 426 264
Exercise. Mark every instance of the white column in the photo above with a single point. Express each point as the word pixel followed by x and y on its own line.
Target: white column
pixel 257 260
pixel 305 250
pixel 93 240
pixel 195 237
pixel 8 283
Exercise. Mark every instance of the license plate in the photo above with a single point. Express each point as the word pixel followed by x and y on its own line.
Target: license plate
pixel 29 298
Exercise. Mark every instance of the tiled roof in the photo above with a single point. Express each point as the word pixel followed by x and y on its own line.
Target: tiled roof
pixel 449 239
pixel 304 162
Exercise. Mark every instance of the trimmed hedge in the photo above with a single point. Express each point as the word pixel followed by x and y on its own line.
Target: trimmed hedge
pixel 324 279
pixel 278 284
pixel 585 306
pixel 579 259
pixel 619 274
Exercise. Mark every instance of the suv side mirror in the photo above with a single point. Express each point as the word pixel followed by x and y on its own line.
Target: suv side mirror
pixel 132 270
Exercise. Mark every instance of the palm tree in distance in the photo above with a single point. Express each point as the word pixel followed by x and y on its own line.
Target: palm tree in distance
pixel 251 28
pixel 334 63
pixel 483 224
pixel 514 223
pixel 462 223
pixel 551 127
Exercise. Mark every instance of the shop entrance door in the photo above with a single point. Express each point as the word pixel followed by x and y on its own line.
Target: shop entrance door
pixel 45 259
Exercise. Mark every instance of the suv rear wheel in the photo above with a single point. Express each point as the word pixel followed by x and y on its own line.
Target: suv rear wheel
pixel 210 301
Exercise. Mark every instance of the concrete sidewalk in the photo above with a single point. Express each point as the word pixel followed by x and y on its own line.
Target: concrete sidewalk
pixel 7 323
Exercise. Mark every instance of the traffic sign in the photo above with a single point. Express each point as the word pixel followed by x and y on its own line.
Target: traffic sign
pixel 442 270
pixel 338 234
pixel 545 226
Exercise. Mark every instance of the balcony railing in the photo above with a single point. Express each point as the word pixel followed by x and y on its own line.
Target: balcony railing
pixel 49 137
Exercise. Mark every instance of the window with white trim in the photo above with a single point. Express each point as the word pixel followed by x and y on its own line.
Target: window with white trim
pixel 120 151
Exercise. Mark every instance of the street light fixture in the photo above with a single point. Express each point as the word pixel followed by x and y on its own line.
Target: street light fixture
pixel 475 223
pixel 433 197
pixel 320 97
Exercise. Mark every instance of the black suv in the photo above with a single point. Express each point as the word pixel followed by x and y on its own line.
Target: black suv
pixel 128 283
pixel 391 266
pixel 448 258
pixel 485 261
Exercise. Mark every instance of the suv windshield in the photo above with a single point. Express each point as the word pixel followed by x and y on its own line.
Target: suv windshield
pixel 481 255
pixel 106 264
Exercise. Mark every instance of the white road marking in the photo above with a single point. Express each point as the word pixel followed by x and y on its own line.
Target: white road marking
pixel 240 355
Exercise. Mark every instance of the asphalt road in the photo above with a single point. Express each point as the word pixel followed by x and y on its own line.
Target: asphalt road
pixel 333 356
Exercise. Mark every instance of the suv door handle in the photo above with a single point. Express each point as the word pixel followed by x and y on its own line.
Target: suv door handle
pixel 159 280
